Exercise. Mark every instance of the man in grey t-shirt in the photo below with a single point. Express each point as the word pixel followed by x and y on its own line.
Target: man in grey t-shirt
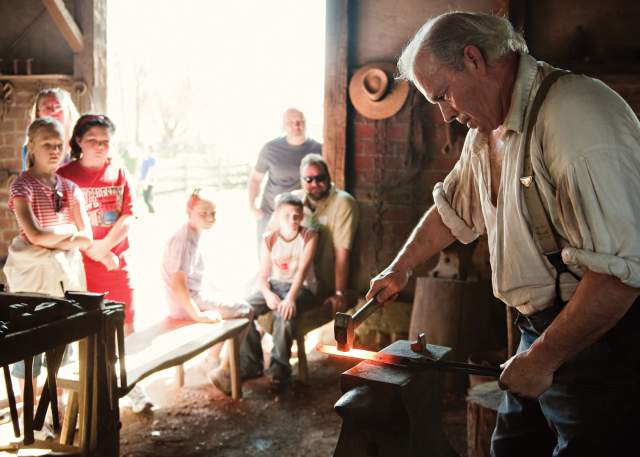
pixel 280 160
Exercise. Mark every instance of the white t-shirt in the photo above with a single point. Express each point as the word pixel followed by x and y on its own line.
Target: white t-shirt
pixel 286 257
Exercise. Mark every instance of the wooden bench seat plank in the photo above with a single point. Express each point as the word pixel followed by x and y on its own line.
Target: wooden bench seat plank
pixel 172 343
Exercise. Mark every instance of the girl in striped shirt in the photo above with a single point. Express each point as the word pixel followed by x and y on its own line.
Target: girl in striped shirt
pixel 53 223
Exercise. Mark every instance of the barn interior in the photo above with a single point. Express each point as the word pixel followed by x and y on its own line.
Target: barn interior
pixel 389 165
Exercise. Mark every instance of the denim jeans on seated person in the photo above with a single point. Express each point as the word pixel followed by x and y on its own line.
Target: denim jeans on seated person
pixel 251 359
pixel 591 409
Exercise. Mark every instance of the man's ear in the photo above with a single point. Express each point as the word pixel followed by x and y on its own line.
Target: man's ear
pixel 473 58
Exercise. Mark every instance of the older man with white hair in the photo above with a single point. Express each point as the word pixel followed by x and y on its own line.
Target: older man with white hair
pixel 550 172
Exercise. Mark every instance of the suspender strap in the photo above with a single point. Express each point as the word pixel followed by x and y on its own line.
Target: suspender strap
pixel 538 218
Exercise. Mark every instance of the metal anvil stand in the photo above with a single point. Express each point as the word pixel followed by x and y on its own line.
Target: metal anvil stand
pixel 391 410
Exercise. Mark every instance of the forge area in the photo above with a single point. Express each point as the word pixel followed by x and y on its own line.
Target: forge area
pixel 198 420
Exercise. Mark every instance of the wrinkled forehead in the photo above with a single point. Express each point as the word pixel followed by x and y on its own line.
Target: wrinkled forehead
pixel 429 75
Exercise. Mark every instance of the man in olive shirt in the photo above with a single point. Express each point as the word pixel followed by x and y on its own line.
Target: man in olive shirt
pixel 279 159
pixel 334 213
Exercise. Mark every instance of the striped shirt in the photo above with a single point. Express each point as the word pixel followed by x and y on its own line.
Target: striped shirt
pixel 40 198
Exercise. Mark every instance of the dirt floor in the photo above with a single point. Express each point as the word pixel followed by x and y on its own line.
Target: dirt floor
pixel 198 420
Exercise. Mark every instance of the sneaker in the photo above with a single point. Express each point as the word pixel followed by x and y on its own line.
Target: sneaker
pixel 139 399
pixel 221 378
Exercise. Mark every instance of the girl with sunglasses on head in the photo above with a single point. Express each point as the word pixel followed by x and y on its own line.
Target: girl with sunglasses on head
pixel 53 223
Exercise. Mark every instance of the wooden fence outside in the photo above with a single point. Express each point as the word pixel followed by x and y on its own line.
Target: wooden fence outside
pixel 181 174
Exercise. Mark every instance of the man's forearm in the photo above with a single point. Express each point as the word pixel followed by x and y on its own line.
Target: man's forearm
pixel 253 189
pixel 598 303
pixel 428 238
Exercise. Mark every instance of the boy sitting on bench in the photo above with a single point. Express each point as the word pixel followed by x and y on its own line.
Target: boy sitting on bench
pixel 183 267
pixel 286 287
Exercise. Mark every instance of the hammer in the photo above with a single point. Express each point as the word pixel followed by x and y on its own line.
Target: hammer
pixel 345 324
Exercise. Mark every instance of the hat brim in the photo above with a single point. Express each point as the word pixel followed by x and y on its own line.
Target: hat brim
pixel 388 105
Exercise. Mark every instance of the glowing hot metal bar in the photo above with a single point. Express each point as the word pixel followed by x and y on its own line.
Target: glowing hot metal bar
pixel 416 363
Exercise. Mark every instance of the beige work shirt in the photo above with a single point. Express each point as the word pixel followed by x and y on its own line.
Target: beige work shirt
pixel 336 219
pixel 585 150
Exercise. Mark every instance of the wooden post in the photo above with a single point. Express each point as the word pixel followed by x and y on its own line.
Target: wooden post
pixel 90 64
pixel 335 89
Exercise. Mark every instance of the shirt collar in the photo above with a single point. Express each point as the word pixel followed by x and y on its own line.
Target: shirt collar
pixel 527 71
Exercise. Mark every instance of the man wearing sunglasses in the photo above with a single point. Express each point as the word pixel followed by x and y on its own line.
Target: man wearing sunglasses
pixel 334 213
pixel 279 162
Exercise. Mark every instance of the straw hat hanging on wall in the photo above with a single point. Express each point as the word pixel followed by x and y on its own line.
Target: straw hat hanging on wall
pixel 374 92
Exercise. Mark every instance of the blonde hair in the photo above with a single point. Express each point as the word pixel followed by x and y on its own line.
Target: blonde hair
pixel 446 36
pixel 35 128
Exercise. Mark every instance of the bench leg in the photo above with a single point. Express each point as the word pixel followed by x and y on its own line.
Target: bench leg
pixel 234 368
pixel 70 419
pixel 180 375
pixel 303 370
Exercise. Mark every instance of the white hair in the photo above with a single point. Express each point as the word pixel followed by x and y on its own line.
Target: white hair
pixel 446 36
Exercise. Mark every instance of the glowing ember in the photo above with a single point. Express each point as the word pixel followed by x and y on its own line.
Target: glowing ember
pixel 353 353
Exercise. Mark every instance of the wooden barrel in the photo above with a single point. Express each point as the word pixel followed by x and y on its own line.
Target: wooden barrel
pixel 460 314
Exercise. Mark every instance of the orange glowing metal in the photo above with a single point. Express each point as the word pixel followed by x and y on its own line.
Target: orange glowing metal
pixel 352 353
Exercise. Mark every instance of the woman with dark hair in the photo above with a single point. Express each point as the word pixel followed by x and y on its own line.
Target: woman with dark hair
pixel 108 193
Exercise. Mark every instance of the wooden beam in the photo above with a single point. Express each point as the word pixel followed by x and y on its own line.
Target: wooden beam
pixel 335 89
pixel 65 23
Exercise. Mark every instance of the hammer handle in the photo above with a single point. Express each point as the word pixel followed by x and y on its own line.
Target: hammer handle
pixel 367 310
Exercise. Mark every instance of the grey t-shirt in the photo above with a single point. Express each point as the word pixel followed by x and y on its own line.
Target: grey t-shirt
pixel 282 161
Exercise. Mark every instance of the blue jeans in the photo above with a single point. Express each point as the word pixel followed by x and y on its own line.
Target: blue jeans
pixel 592 407
pixel 251 360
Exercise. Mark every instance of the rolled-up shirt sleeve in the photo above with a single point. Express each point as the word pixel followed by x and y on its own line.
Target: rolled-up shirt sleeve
pixel 598 198
pixel 458 202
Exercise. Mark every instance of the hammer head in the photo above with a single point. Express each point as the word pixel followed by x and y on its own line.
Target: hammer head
pixel 343 329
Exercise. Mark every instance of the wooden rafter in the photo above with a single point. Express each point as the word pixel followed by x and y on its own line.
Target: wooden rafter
pixel 65 23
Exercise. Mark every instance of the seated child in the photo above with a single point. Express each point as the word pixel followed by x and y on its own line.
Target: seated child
pixel 183 266
pixel 287 286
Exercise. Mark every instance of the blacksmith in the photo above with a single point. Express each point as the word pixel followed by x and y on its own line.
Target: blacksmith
pixel 573 387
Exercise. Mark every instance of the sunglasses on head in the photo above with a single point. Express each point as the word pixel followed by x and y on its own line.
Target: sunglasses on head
pixel 58 200
pixel 316 178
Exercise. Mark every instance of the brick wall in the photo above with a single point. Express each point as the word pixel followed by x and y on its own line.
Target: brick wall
pixel 395 164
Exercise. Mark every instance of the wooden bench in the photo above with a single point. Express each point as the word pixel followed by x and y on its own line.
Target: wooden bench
pixel 170 343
